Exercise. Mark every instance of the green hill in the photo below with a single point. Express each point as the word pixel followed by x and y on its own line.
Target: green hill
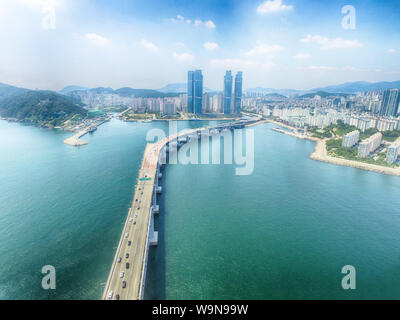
pixel 44 108
pixel 323 94
pixel 7 91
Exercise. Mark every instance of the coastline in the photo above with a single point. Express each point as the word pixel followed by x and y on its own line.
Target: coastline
pixel 321 155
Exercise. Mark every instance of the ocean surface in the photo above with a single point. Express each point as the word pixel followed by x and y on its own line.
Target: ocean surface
pixel 283 232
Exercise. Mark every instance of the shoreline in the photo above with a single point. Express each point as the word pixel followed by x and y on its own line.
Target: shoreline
pixel 320 154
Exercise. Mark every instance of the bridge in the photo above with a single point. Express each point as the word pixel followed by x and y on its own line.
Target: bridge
pixel 126 280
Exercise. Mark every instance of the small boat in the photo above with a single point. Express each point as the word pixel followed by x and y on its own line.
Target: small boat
pixel 92 129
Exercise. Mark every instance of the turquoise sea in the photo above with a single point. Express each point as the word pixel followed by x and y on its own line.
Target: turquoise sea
pixel 284 232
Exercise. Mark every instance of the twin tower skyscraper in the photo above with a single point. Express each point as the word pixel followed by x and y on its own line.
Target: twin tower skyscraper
pixel 231 103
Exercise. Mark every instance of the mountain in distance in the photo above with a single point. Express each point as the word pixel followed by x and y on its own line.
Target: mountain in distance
pixel 143 93
pixel 69 89
pixel 362 86
pixel 123 92
pixel 347 88
pixel 275 96
pixel 43 108
pixel 179 88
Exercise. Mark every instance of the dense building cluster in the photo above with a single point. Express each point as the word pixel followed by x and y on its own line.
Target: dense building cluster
pixel 364 110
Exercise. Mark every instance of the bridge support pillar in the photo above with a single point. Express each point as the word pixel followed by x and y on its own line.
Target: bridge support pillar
pixel 153 236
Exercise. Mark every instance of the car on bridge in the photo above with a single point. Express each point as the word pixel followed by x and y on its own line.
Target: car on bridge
pixel 123 284
pixel 110 294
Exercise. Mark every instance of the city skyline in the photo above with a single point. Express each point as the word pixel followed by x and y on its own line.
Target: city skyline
pixel 279 44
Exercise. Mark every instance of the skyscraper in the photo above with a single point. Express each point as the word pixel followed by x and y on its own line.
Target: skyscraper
pixel 190 92
pixel 195 92
pixel 227 92
pixel 238 93
pixel 390 103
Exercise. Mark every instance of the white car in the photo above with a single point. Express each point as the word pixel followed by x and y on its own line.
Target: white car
pixel 121 275
pixel 127 235
pixel 110 294
pixel 130 219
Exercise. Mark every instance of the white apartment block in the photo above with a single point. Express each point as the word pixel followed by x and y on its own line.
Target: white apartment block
pixel 393 152
pixel 351 139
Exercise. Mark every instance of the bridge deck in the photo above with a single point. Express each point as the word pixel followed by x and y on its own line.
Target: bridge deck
pixel 140 213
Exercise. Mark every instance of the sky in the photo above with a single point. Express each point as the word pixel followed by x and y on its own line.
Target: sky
pixel 296 44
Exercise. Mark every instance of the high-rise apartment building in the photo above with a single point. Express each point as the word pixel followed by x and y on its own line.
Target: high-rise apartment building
pixel 351 139
pixel 364 149
pixel 393 152
pixel 206 102
pixel 369 145
pixel 390 103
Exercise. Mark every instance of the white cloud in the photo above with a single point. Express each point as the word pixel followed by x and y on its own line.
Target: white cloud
pixel 356 69
pixel 336 43
pixel 211 46
pixel 236 63
pixel 302 56
pixel 209 24
pixel 264 49
pixel 351 68
pixel 183 57
pixel 178 18
pixel 149 45
pixel 198 23
pixel 317 68
pixel 96 39
pixel 272 6
pixel 392 51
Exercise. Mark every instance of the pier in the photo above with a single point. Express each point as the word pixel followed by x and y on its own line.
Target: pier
pixel 76 140
pixel 126 280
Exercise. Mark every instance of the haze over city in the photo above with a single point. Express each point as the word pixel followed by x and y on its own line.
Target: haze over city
pixel 277 44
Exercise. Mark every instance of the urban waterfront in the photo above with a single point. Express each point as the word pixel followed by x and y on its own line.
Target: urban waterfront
pixel 283 232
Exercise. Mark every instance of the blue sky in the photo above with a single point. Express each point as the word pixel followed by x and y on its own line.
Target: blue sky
pixel 147 44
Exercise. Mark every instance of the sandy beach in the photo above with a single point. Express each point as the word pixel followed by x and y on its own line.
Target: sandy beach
pixel 320 153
